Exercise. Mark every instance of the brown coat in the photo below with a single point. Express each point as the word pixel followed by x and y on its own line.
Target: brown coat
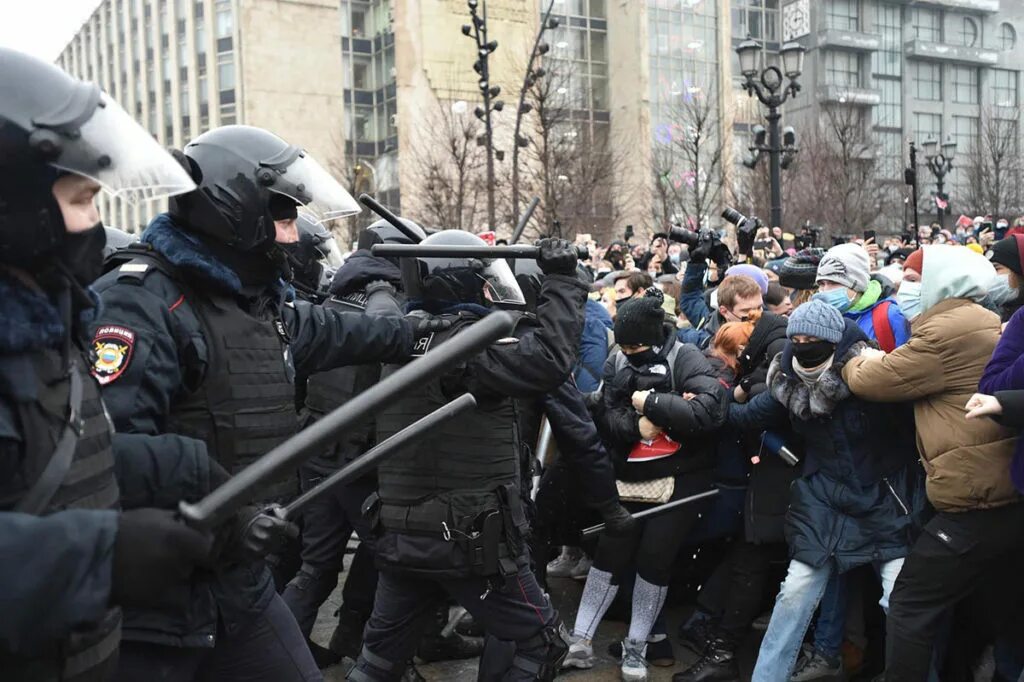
pixel 967 462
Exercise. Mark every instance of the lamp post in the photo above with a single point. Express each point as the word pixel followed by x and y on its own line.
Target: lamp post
pixel 540 48
pixel 940 163
pixel 767 85
pixel 478 31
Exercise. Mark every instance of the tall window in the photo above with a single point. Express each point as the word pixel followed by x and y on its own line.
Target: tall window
pixel 842 68
pixel 842 15
pixel 965 132
pixel 756 18
pixel 927 24
pixel 887 60
pixel 226 71
pixel 927 80
pixel 968 33
pixel 1004 87
pixel 927 127
pixel 1007 37
pixel 225 19
pixel 965 84
pixel 889 112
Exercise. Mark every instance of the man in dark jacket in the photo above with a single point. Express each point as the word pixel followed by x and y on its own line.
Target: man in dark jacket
pixel 71 556
pixel 203 347
pixel 450 509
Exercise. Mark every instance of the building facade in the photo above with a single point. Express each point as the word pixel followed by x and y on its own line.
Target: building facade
pixel 181 67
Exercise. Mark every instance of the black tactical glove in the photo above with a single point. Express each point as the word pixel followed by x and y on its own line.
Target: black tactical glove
pixel 617 521
pixel 556 257
pixel 379 285
pixel 154 553
pixel 424 324
pixel 267 532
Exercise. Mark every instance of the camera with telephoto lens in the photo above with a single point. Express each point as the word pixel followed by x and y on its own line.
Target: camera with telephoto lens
pixel 746 229
pixel 703 245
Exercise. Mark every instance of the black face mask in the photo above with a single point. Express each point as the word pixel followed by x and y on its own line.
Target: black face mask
pixel 813 353
pixel 644 357
pixel 81 253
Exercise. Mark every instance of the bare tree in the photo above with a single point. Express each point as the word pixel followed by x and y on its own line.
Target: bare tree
pixel 991 169
pixel 451 168
pixel 569 160
pixel 837 175
pixel 689 184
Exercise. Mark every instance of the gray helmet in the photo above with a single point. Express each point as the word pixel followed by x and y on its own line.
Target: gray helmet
pixel 383 232
pixel 52 124
pixel 458 279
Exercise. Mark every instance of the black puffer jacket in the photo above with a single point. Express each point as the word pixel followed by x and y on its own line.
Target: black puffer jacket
pixel 690 423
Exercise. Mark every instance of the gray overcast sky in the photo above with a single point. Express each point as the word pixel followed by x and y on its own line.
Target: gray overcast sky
pixel 42 27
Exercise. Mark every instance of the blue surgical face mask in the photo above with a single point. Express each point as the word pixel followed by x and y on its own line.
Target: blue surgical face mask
pixel 1000 291
pixel 836 298
pixel 909 298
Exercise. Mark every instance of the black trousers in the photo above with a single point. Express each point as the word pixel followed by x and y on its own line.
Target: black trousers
pixel 271 649
pixel 327 525
pixel 518 612
pixel 750 573
pixel 953 554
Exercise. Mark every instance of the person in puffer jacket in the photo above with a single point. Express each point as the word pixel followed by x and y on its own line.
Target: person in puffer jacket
pixel 859 497
pixel 662 402
pixel 980 518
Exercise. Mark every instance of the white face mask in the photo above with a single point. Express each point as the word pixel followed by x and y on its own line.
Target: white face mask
pixel 909 298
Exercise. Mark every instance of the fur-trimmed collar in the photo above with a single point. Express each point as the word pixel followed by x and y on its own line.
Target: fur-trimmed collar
pixel 185 251
pixel 31 318
pixel 817 400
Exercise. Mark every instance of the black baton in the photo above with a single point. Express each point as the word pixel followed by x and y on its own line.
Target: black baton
pixel 518 232
pixel 237 491
pixel 387 215
pixel 442 251
pixel 655 511
pixel 373 457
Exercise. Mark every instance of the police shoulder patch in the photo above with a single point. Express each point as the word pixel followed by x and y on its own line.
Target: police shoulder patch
pixel 113 345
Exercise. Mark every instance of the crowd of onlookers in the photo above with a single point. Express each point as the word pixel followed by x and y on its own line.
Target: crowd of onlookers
pixel 858 410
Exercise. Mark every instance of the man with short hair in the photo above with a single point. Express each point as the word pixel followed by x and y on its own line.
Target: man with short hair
pixel 631 284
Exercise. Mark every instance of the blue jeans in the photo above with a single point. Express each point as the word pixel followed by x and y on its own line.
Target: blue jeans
pixel 794 607
pixel 831 624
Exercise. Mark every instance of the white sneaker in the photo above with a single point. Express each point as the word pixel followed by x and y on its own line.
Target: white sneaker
pixel 581 654
pixel 581 569
pixel 563 565
pixel 634 661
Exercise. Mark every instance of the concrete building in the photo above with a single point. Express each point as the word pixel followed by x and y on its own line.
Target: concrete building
pixel 182 67
pixel 913 70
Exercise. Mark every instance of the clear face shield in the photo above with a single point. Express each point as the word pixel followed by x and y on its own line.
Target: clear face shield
pixel 297 175
pixel 500 285
pixel 122 157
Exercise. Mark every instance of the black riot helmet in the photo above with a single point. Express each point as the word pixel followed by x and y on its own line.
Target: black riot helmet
pixel 458 279
pixel 383 232
pixel 52 124
pixel 313 254
pixel 243 173
pixel 530 278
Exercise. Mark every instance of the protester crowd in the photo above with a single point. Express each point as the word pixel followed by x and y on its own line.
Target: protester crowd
pixel 822 444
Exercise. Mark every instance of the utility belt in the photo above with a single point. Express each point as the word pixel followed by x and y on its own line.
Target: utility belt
pixel 489 528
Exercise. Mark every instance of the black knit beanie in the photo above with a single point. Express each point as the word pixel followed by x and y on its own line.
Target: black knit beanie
pixel 641 321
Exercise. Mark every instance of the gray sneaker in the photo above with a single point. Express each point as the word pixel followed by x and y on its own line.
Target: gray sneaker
pixel 634 661
pixel 815 666
pixel 562 566
pixel 581 569
pixel 581 653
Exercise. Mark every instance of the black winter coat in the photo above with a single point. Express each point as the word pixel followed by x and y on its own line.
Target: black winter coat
pixel 690 423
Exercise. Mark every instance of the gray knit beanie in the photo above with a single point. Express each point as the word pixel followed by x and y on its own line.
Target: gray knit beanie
pixel 818 319
pixel 846 264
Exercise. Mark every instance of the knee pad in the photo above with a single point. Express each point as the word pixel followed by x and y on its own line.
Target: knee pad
pixel 542 654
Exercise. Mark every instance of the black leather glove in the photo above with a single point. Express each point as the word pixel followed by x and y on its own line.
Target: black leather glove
pixel 556 257
pixel 617 521
pixel 154 553
pixel 379 285
pixel 266 532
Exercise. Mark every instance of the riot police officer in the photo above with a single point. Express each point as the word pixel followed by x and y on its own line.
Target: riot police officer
pixel 204 347
pixel 448 509
pixel 313 257
pixel 70 555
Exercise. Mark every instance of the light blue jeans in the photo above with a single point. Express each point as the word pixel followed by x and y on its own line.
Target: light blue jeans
pixel 794 607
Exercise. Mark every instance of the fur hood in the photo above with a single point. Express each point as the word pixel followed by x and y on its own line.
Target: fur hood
pixel 819 400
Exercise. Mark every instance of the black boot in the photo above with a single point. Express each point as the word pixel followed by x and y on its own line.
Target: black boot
pixel 435 646
pixel 347 639
pixel 323 657
pixel 411 674
pixel 717 664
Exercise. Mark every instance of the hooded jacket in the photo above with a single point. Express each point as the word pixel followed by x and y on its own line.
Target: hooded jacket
pixel 858 500
pixel 966 462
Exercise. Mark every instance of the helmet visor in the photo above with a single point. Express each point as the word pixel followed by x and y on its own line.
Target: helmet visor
pixel 332 254
pixel 312 187
pixel 122 157
pixel 500 285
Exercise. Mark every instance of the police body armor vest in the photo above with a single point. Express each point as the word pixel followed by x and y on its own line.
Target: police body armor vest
pixel 244 406
pixel 88 484
pixel 326 391
pixel 448 484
